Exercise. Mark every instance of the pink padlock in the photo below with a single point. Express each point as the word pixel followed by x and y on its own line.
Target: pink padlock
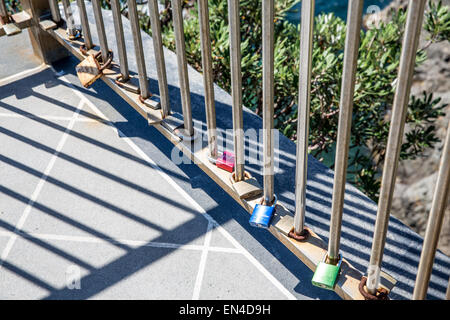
pixel 226 161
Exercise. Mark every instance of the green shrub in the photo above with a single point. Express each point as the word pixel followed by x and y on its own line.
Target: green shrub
pixel 376 79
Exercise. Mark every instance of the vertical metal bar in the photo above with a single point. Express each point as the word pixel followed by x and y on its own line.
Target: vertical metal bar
pixel 236 87
pixel 137 40
pixel 3 11
pixel 304 100
pixel 159 56
pixel 210 107
pixel 85 24
pixel 354 18
pixel 54 9
pixel 118 28
pixel 407 61
pixel 268 93
pixel 440 199
pixel 182 66
pixel 70 22
pixel 45 47
pixel 100 28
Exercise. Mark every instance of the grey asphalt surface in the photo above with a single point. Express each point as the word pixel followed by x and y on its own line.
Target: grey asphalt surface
pixel 106 213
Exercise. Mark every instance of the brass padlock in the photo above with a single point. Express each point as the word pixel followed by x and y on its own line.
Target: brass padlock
pixel 90 70
pixel 246 188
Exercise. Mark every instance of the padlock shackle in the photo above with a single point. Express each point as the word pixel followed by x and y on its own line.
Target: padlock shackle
pixel 274 201
pixel 107 63
pixel 325 259
pixel 214 160
pixel 84 50
pixel 247 175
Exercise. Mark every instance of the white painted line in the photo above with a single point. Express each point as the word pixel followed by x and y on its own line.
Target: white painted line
pixel 135 243
pixel 258 265
pixel 39 186
pixel 24 73
pixel 47 117
pixel 188 198
pixel 201 267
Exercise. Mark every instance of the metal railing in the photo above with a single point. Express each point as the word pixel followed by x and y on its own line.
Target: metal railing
pixel 285 226
pixel 399 109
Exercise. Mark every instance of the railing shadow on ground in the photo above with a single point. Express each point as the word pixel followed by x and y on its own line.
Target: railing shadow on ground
pixel 357 208
pixel 121 263
pixel 318 211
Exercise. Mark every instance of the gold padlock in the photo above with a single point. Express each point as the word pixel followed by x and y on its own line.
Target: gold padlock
pixel 90 70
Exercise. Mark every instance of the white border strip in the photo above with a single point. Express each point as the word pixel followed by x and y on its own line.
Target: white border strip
pixel 17 76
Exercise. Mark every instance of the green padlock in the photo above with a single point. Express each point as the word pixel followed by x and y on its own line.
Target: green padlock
pixel 326 274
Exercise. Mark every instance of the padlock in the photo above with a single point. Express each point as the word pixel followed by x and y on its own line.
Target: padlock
pixel 326 274
pixel 226 161
pixel 247 187
pixel 153 102
pixel 262 215
pixel 74 34
pixel 90 70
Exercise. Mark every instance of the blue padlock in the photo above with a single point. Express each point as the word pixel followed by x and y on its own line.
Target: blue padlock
pixel 262 215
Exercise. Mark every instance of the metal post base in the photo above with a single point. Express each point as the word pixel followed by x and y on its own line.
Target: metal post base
pixel 47 24
pixel 184 135
pixel 11 29
pixel 153 102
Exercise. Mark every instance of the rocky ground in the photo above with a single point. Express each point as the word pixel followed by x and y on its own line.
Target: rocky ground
pixel 416 179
